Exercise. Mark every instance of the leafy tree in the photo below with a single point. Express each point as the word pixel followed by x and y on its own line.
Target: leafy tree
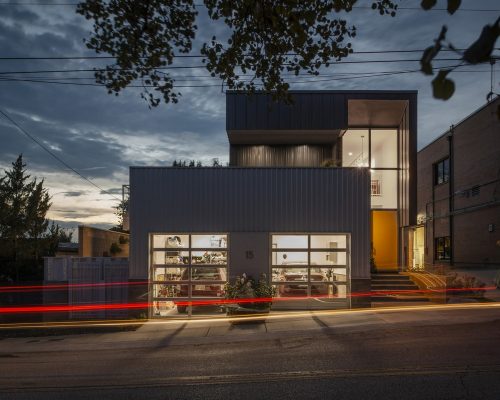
pixel 266 39
pixel 55 235
pixel 25 235
pixel 114 249
pixel 121 211
pixel 191 164
pixel 478 52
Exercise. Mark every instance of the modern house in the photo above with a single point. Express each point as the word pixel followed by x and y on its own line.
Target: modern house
pixel 317 194
pixel 459 196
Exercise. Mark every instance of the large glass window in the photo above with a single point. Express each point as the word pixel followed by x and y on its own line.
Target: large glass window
pixel 384 148
pixel 378 150
pixel 306 265
pixel 187 266
pixel 384 183
pixel 355 145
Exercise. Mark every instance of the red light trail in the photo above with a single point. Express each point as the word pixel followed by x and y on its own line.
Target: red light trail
pixel 62 286
pixel 211 302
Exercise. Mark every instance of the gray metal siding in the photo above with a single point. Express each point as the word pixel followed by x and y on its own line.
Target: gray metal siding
pixel 311 110
pixel 308 111
pixel 249 200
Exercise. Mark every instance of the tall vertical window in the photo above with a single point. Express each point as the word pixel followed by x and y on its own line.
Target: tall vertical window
pixel 442 247
pixel 376 149
pixel 442 171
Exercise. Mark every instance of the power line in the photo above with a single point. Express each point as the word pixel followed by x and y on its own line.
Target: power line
pixel 13 122
pixel 313 80
pixel 195 78
pixel 203 66
pixel 202 5
pixel 202 56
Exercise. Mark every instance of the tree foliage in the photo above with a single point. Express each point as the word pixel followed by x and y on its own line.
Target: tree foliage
pixel 266 40
pixel 480 51
pixel 121 211
pixel 25 235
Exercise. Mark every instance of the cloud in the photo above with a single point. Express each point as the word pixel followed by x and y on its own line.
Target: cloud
pixel 101 135
pixel 75 193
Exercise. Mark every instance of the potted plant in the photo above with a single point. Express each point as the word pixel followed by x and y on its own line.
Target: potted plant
pixel 246 288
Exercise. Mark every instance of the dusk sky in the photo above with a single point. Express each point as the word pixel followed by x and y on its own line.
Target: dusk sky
pixel 101 135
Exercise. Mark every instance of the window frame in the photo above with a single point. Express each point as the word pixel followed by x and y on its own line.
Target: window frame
pixel 312 284
pixel 445 243
pixel 155 285
pixel 443 176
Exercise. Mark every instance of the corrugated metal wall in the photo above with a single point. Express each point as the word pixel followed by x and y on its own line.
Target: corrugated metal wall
pixel 249 200
pixel 310 110
pixel 280 156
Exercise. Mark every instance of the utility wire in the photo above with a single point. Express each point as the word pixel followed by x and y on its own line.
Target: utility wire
pixel 202 5
pixel 203 66
pixel 203 78
pixel 313 80
pixel 202 56
pixel 13 122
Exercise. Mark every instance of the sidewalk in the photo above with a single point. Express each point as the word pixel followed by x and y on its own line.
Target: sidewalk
pixel 163 333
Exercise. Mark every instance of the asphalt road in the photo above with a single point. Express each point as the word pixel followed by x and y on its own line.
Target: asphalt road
pixel 454 357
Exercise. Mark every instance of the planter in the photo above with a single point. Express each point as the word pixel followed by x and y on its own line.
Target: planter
pixel 250 310
pixel 251 298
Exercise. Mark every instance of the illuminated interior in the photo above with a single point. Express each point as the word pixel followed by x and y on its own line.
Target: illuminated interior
pixel 378 150
pixel 305 265
pixel 186 267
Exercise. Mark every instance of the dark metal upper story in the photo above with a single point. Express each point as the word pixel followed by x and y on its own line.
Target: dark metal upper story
pixel 314 116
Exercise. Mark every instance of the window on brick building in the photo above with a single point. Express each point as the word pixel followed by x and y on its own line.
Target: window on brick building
pixel 443 248
pixel 442 171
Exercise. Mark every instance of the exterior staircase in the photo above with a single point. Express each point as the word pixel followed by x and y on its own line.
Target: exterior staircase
pixel 391 287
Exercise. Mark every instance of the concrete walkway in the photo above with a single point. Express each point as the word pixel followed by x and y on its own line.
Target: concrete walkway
pixel 164 333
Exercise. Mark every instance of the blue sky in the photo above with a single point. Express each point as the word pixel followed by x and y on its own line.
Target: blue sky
pixel 101 135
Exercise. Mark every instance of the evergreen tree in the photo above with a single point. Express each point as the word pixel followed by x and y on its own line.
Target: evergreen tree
pixel 16 192
pixel 25 235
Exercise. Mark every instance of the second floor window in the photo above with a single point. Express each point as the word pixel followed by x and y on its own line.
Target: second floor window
pixel 442 171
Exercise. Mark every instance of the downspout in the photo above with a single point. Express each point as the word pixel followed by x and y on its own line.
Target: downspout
pixel 451 190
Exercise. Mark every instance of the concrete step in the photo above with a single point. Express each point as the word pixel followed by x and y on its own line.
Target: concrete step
pixel 389 277
pixel 406 285
pixel 395 283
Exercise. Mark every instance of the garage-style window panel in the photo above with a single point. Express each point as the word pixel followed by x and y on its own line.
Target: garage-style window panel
pixel 305 265
pixel 442 171
pixel 187 266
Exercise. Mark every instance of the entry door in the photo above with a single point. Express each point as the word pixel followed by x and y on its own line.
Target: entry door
pixel 385 240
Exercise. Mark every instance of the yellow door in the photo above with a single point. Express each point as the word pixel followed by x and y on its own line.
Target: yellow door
pixel 385 240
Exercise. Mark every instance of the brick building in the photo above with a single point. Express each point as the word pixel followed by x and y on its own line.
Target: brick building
pixel 458 196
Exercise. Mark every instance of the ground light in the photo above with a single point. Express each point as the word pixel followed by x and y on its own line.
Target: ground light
pixel 273 316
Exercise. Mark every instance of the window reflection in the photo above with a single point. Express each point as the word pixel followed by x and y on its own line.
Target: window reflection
pixel 384 148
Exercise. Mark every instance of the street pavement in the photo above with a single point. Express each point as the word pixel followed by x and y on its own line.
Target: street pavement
pixel 418 353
